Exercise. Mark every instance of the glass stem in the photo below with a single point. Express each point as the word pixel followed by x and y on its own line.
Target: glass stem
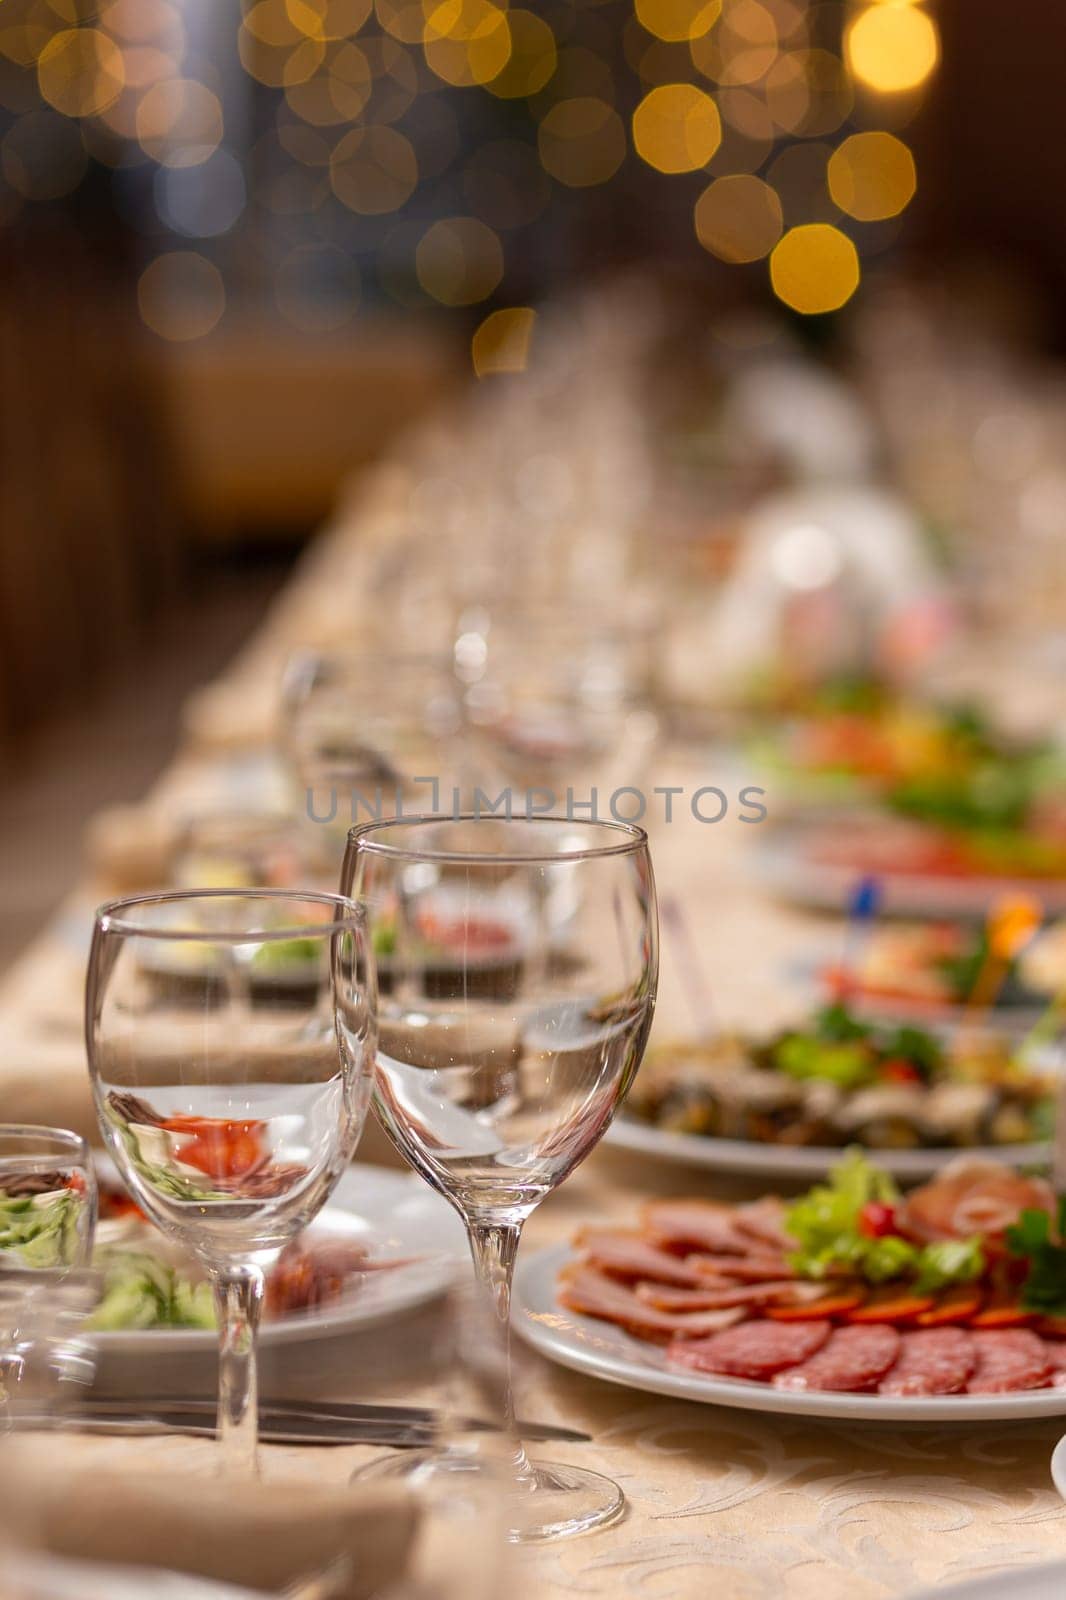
pixel 238 1302
pixel 494 1246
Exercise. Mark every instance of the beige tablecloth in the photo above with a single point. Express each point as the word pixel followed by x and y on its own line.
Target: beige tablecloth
pixel 723 1502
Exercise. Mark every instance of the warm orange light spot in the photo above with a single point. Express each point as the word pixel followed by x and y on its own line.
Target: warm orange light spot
pixel 181 295
pixel 80 72
pixel 501 342
pixel 582 141
pixel 678 19
pixel 738 218
pixel 179 122
pixel 459 261
pixel 676 128
pixel 373 170
pixel 872 176
pixel 892 46
pixel 532 61
pixel 814 268
pixel 467 42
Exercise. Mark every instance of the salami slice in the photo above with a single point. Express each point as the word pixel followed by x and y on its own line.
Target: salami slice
pixel 854 1360
pixel 1008 1360
pixel 932 1361
pixel 754 1349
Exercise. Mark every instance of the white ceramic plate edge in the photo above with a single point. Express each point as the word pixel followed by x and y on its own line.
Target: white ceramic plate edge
pixel 604 1351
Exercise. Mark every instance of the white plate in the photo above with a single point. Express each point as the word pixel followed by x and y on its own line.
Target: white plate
pixel 395 1212
pixel 800 1161
pixel 1058 1467
pixel 606 1351
pixel 784 866
pixel 1044 1582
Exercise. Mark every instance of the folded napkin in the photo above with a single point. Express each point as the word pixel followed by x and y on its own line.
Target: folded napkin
pixel 261 1535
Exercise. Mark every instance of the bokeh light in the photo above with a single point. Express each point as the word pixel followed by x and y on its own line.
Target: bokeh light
pixel 373 170
pixel 814 268
pixel 532 61
pixel 738 218
pixel 676 128
pixel 80 71
pixel 181 295
pixel 892 46
pixel 204 201
pixel 405 20
pixel 179 122
pixel 467 42
pixel 678 19
pixel 582 142
pixel 501 342
pixel 872 176
pixel 742 48
pixel 338 92
pixel 459 261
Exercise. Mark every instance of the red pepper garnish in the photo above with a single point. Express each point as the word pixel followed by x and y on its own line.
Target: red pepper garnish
pixel 900 1070
pixel 876 1220
pixel 218 1147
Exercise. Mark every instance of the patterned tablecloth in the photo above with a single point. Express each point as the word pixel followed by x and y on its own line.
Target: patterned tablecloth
pixel 729 1502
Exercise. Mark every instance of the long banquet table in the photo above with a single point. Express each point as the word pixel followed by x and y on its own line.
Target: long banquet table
pixel 749 1505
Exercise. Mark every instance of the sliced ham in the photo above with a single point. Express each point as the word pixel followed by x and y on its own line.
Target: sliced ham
pixel 972 1197
pixel 756 1350
pixel 853 1360
pixel 715 1296
pixel 743 1269
pixel 932 1361
pixel 1009 1360
pixel 629 1255
pixel 686 1225
pixel 593 1294
pixel 764 1222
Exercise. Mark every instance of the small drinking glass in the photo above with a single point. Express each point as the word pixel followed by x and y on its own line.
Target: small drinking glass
pixel 231 1036
pixel 519 962
pixel 48 1204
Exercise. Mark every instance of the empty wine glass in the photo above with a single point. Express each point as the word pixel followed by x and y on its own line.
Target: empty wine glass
pixel 518 964
pixel 230 1036
pixel 48 1203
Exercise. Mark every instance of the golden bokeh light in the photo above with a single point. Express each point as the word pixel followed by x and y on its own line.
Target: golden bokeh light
pixel 373 170
pixel 501 342
pixel 814 268
pixel 335 19
pixel 892 46
pixel 872 176
pixel 274 50
pixel 181 296
pixel 404 20
pixel 678 19
pixel 467 42
pixel 144 22
pixel 81 72
pixel 582 142
pixel 396 79
pixel 532 61
pixel 742 48
pixel 179 122
pixel 338 93
pixel 459 261
pixel 738 218
pixel 676 128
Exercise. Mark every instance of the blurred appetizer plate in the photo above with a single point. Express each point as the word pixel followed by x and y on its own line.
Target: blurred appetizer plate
pixel 392 1212
pixel 606 1351
pixel 786 864
pixel 802 1161
pixel 1017 1583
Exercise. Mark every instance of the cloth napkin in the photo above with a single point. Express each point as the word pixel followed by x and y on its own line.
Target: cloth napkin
pixel 261 1535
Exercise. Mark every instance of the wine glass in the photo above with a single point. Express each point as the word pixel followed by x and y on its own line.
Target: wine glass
pixel 230 1036
pixel 518 964
pixel 48 1203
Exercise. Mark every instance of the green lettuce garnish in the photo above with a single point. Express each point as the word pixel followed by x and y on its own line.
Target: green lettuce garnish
pixel 825 1221
pixel 40 1229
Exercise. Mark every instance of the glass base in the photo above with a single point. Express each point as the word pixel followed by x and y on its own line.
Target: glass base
pixel 558 1503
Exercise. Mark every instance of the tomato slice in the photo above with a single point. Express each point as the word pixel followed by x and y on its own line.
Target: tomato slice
pixel 953 1305
pixel 1002 1312
pixel 217 1146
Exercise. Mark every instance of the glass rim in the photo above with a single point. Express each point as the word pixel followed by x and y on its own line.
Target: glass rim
pixel 109 917
pixel 43 1132
pixel 634 838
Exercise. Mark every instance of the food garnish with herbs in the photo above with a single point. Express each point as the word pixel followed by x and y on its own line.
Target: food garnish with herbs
pixel 840 1079
pixel 959 1287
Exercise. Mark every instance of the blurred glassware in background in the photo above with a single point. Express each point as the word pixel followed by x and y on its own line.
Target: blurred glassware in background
pixel 240 850
pixel 519 964
pixel 48 1205
pixel 231 1038
pixel 366 736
